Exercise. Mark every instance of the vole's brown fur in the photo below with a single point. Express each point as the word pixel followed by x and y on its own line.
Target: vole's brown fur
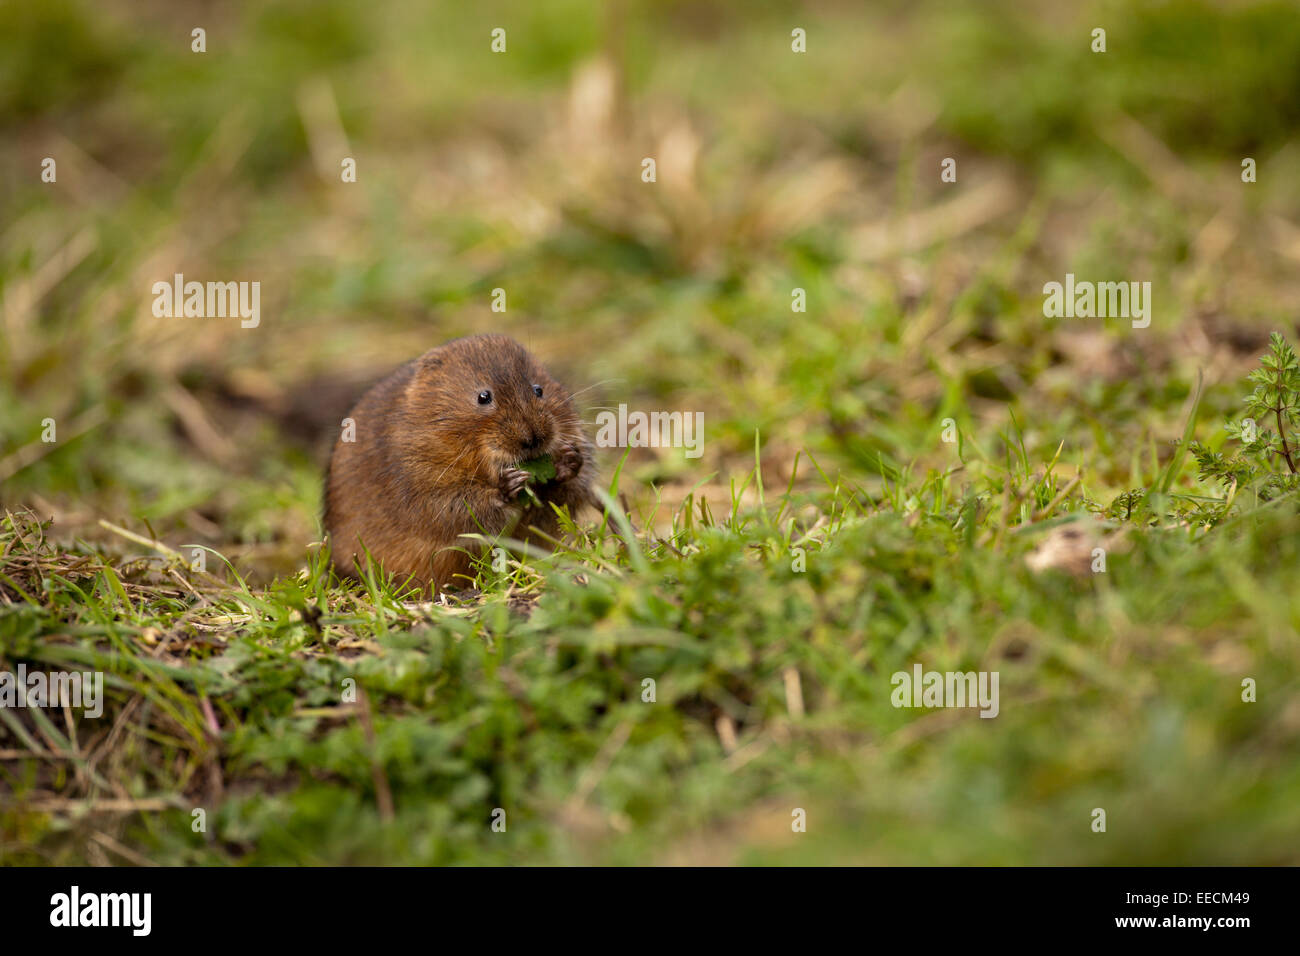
pixel 430 462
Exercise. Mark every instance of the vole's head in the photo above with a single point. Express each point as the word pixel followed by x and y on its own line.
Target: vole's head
pixel 486 392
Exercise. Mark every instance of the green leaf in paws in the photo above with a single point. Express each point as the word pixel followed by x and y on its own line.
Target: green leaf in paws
pixel 541 470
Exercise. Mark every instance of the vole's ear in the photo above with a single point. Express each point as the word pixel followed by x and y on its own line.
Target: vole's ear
pixel 431 360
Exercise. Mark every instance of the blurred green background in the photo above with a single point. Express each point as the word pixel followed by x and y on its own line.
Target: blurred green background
pixel 522 171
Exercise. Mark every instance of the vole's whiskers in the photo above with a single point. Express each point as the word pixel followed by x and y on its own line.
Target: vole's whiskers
pixel 597 385
pixel 452 462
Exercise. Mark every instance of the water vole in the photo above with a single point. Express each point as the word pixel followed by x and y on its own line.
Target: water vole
pixel 437 450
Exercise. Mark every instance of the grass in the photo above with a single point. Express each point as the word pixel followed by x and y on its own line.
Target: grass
pixel 829 536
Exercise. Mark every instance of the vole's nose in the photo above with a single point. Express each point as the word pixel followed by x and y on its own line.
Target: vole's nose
pixel 533 442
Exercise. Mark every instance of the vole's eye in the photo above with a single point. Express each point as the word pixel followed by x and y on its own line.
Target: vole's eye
pixel 484 397
pixel 537 390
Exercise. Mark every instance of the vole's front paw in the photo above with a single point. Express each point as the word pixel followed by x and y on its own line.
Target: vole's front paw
pixel 568 463
pixel 512 483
